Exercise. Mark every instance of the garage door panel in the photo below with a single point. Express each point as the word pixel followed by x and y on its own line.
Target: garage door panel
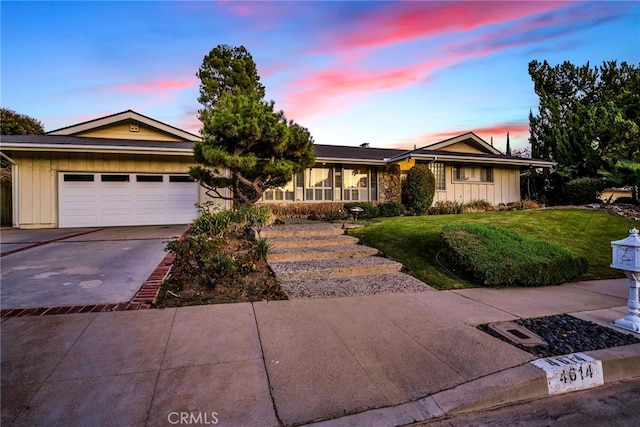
pixel 125 199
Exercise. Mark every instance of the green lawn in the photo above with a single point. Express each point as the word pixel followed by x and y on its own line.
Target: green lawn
pixel 414 241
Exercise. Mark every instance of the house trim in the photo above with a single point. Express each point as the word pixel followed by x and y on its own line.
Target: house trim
pixel 120 117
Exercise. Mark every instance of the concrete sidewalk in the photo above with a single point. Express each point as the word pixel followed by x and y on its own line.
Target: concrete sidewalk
pixel 371 360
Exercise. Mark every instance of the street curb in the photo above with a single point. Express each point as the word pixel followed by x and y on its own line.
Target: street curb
pixel 514 385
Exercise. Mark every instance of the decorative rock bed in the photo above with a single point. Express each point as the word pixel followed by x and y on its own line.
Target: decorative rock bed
pixel 566 334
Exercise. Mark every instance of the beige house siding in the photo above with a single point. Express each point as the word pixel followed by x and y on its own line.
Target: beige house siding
pixel 462 147
pixel 38 172
pixel 505 188
pixel 123 131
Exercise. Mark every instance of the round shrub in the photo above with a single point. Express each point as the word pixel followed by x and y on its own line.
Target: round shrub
pixel 583 190
pixel 391 209
pixel 421 187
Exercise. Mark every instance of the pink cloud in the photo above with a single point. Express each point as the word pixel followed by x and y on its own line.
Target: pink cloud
pixel 518 134
pixel 337 88
pixel 408 21
pixel 154 86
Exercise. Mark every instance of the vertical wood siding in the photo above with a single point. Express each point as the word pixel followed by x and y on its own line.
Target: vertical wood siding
pixel 37 180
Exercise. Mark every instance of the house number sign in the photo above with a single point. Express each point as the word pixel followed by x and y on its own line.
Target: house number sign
pixel 571 372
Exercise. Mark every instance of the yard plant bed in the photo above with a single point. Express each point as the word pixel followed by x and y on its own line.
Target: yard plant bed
pixel 566 334
pixel 415 241
pixel 252 281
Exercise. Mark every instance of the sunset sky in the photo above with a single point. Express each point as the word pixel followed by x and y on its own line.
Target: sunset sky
pixel 393 74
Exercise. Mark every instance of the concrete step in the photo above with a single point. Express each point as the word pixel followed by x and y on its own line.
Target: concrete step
pixel 311 241
pixel 302 230
pixel 343 267
pixel 280 254
pixel 351 286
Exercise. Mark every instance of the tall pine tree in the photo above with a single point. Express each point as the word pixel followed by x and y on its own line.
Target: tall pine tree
pixel 247 146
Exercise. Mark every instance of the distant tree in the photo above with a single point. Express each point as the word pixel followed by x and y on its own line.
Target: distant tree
pixel 12 123
pixel 588 118
pixel 246 146
pixel 508 151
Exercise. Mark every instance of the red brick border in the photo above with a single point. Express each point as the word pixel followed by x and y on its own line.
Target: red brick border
pixel 143 299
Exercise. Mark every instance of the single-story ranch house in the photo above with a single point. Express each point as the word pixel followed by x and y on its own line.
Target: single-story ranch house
pixel 129 169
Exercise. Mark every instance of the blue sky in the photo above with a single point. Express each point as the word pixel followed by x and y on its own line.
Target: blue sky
pixel 394 74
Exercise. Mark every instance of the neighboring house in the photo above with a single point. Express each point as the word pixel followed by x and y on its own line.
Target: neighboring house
pixel 129 169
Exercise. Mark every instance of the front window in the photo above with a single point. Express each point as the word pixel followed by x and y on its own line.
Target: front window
pixel 319 185
pixel 473 173
pixel 439 175
pixel 356 183
pixel 281 193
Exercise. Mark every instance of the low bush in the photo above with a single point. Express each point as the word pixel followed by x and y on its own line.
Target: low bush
pixel 212 221
pixel 390 209
pixel 369 210
pixel 497 257
pixel 478 205
pixel 446 208
pixel 583 190
pixel 203 258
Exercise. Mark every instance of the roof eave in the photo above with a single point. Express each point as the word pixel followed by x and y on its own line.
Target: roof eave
pixel 99 149
pixel 351 161
pixel 475 159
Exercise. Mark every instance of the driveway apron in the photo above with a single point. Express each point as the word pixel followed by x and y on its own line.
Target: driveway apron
pixel 101 267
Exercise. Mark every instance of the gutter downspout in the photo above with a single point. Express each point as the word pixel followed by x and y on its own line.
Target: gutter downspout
pixel 14 189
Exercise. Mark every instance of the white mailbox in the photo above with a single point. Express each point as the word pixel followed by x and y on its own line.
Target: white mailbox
pixel 626 256
pixel 626 252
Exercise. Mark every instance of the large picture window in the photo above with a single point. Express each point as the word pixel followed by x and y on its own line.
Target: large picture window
pixel 473 173
pixel 356 184
pixel 318 185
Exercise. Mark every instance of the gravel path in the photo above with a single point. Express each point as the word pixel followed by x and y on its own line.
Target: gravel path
pixel 354 286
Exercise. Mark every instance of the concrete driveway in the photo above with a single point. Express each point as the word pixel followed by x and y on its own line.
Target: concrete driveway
pixel 81 266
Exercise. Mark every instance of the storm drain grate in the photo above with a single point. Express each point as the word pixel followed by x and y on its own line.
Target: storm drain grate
pixel 516 334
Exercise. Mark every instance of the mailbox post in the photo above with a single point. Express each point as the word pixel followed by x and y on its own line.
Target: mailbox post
pixel 626 257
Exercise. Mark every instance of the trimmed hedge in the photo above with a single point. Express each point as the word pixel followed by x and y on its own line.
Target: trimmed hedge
pixel 584 190
pixel 497 257
pixel 389 209
pixel 421 188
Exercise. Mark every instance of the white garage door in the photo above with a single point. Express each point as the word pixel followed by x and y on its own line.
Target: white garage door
pixel 103 199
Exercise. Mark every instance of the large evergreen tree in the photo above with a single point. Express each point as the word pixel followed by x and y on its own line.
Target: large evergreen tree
pixel 588 118
pixel 247 146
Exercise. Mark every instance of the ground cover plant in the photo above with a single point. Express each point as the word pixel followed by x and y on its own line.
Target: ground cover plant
pixel 497 257
pixel 222 261
pixel 415 241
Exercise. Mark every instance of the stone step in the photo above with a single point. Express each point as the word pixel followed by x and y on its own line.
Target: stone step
pixel 311 241
pixel 302 230
pixel 280 254
pixel 343 267
pixel 352 286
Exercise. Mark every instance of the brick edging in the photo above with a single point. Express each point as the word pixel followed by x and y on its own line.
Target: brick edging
pixel 143 299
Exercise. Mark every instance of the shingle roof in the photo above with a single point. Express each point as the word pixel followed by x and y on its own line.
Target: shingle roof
pixel 359 153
